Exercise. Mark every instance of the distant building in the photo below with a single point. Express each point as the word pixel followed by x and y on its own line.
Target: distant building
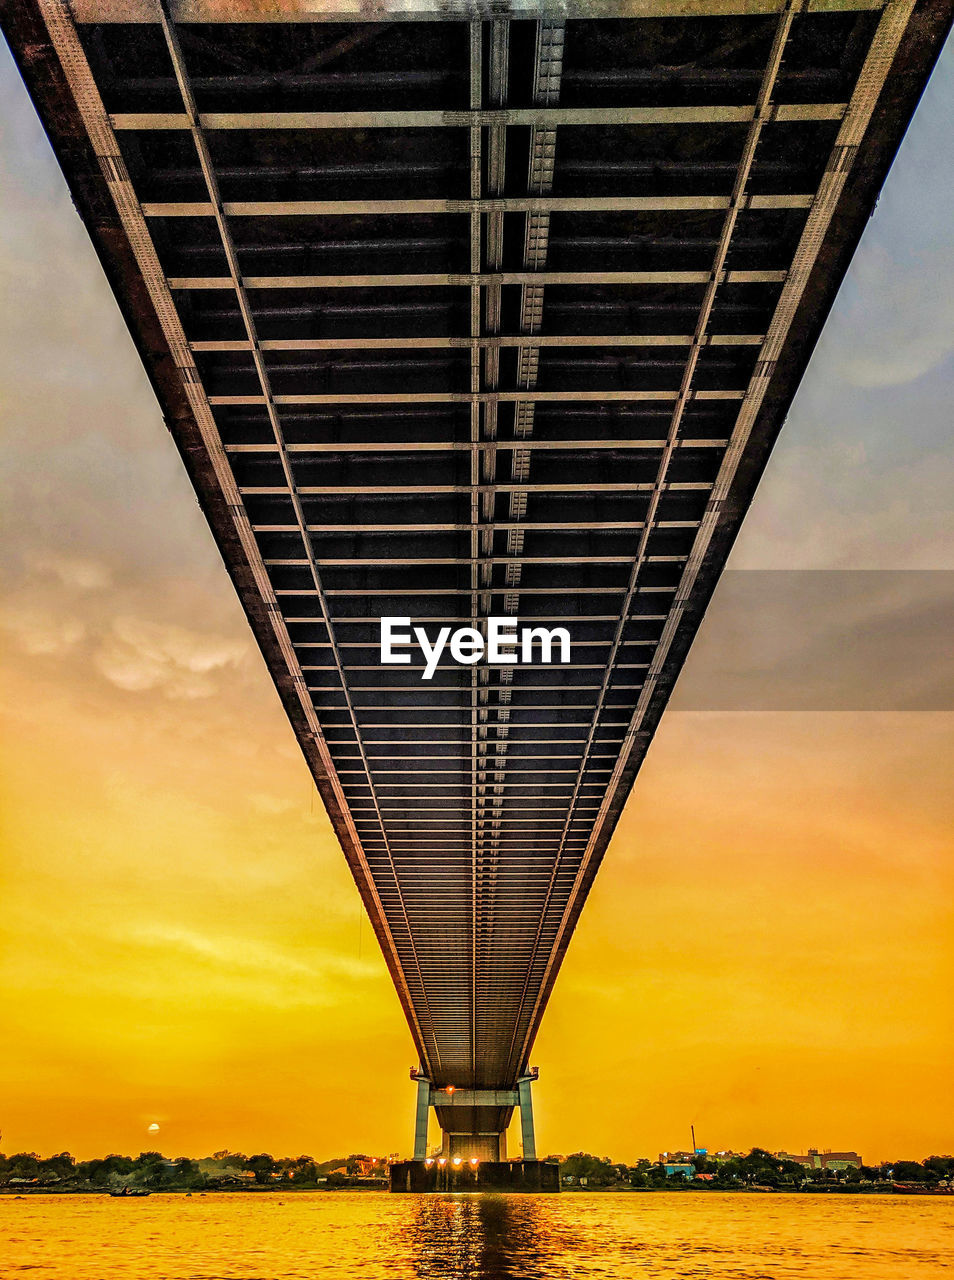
pixel 679 1167
pixel 815 1159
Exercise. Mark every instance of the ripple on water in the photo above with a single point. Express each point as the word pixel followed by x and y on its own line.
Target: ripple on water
pixel 326 1236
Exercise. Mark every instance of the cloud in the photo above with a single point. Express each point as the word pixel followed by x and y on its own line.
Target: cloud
pixel 910 329
pixel 230 952
pixel 39 632
pixel 79 572
pixel 268 805
pixel 281 975
pixel 896 309
pixel 138 655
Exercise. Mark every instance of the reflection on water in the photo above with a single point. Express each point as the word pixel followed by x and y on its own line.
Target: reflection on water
pixel 327 1236
pixel 505 1237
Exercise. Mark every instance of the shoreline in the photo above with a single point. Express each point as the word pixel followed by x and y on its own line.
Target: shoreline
pixel 196 1193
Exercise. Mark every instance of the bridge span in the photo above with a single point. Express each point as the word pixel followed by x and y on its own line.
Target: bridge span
pixel 465 311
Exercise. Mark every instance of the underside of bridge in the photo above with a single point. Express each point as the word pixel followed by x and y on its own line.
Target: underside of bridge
pixel 458 312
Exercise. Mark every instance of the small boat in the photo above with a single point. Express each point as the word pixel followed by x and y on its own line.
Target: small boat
pixel 126 1193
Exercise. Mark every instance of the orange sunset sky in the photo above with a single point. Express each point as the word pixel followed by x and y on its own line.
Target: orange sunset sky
pixel 768 952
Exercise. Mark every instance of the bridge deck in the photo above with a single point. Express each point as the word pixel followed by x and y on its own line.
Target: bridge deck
pixel 454 318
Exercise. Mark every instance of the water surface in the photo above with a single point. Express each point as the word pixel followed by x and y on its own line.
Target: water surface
pixel 315 1236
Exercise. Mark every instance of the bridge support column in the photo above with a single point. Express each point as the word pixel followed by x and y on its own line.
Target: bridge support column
pixel 473 1121
pixel 421 1118
pixel 526 1117
pixel 473 1151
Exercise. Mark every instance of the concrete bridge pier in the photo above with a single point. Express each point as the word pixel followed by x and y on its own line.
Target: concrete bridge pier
pixel 473 1151
pixel 525 1103
pixel 474 1122
pixel 422 1116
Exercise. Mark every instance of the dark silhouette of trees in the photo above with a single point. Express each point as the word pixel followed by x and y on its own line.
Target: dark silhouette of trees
pixel 152 1171
pixel 263 1166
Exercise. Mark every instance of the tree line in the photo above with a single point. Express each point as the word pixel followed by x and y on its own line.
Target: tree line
pixel 757 1168
pixel 153 1171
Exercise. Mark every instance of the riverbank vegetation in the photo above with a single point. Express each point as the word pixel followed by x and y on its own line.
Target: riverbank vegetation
pixel 758 1170
pixel 223 1171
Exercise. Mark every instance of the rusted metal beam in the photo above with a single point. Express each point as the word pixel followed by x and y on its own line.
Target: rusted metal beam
pixel 500 204
pixel 545 117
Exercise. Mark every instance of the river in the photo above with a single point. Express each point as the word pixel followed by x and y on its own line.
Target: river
pixel 314 1236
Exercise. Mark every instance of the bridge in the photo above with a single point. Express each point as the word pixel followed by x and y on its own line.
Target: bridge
pixel 459 312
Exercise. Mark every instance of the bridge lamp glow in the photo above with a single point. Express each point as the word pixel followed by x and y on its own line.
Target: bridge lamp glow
pixel 473 1160
pixel 442 1160
pixel 449 1089
pixel 457 1160
pixel 428 1163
